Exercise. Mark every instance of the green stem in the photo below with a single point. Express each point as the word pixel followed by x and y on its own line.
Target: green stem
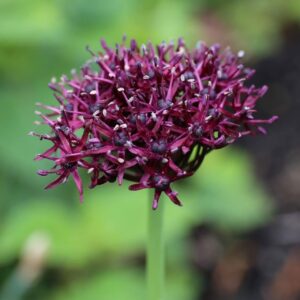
pixel 155 253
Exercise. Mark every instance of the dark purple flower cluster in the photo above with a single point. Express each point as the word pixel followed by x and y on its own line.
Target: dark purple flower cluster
pixel 148 114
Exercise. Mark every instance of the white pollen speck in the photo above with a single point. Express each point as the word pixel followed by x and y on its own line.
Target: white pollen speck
pixel 146 77
pixel 219 74
pixel 88 77
pixel 120 89
pixel 117 107
pixel 116 127
pixel 191 80
pixel 65 180
pixel 129 144
pixel 58 119
pixel 209 83
pixel 165 112
pixel 182 78
pixel 153 116
pixel 241 53
pixel 121 160
pixel 174 150
pixel 104 111
pixel 37 123
pixel 90 170
pixel 81 118
pixel 93 92
pixel 123 126
pixel 164 160
pixel 111 75
pixel 228 92
pixel 30 133
pixel 37 112
pixel 130 99
pixel 96 113
pixel 181 50
pixel 144 48
pixel 246 107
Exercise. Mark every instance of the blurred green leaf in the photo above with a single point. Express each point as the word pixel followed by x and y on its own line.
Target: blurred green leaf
pixel 118 284
pixel 29 22
pixel 125 284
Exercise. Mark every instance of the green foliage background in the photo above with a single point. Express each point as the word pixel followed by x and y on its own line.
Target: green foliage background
pixel 94 245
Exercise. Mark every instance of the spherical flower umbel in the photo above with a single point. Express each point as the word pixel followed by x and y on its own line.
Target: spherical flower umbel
pixel 148 114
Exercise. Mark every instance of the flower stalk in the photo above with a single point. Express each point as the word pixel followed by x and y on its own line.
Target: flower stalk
pixel 155 253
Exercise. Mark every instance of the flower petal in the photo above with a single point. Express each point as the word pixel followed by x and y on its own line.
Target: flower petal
pixel 78 183
pixel 173 196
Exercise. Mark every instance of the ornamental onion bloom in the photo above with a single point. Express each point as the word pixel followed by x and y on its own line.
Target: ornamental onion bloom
pixel 148 114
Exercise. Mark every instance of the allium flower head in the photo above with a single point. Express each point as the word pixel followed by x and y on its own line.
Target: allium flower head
pixel 148 114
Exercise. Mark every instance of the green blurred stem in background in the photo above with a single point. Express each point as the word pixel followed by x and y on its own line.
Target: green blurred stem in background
pixel 155 252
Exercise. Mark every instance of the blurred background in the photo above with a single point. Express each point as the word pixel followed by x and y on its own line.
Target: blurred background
pixel 238 234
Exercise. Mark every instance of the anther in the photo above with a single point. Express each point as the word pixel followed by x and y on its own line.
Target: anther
pixel 121 160
pixel 90 170
pixel 153 116
pixel 241 53
pixel 116 127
